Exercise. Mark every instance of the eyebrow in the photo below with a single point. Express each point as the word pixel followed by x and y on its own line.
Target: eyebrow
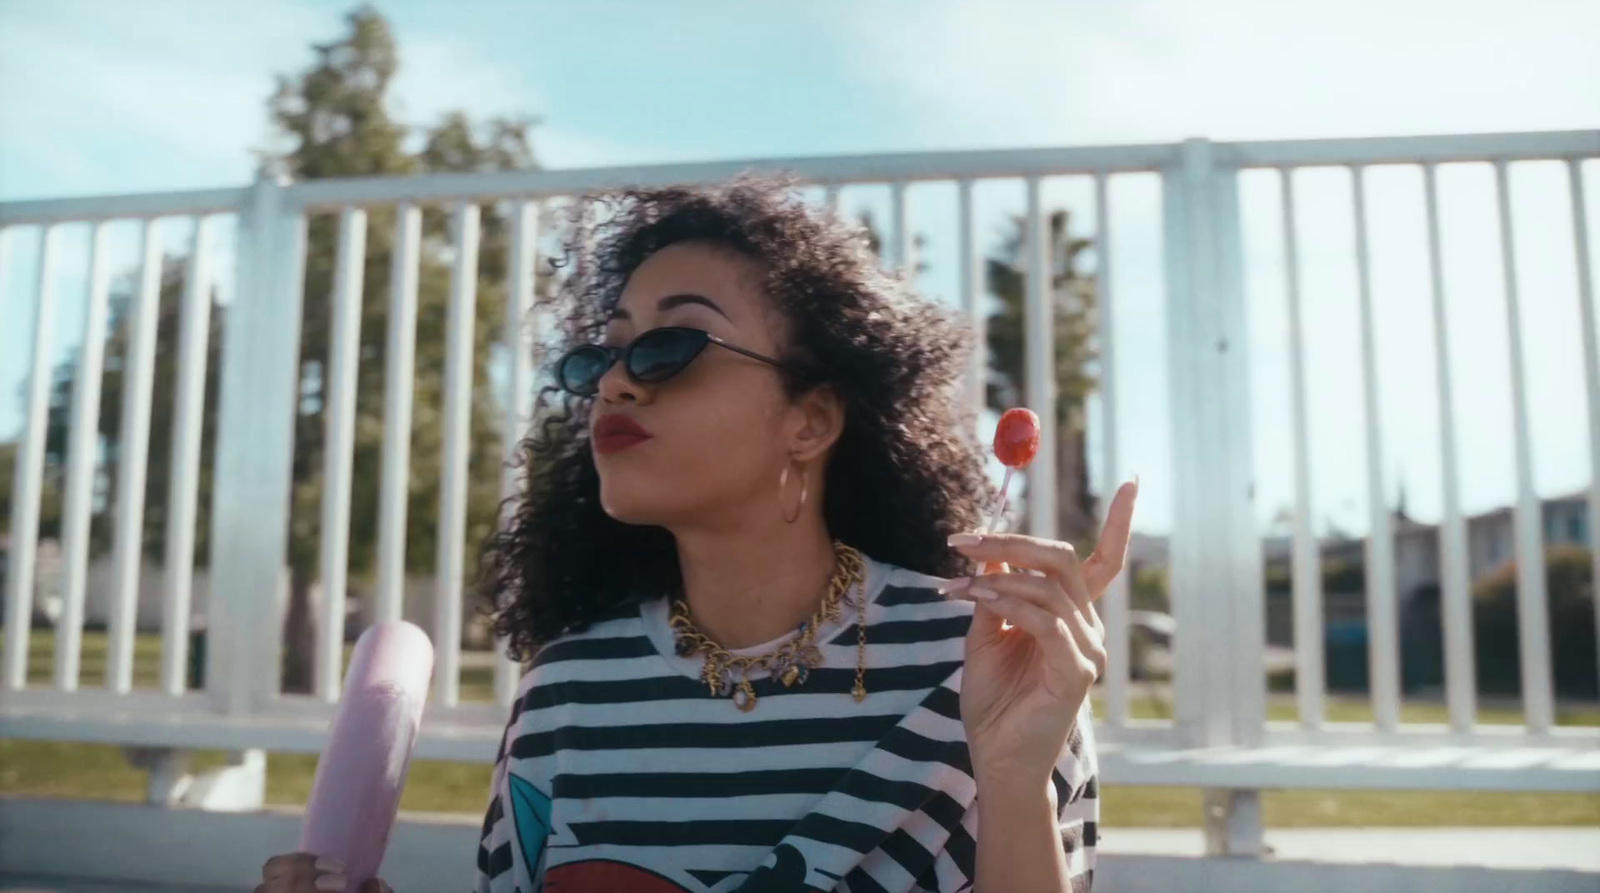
pixel 673 301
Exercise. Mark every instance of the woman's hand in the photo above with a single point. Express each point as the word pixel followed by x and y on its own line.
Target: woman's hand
pixel 306 873
pixel 1022 687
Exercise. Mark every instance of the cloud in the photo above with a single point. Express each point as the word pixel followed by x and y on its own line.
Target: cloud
pixel 168 95
pixel 1161 70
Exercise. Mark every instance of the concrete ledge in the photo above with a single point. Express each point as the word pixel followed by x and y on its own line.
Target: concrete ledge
pixel 61 846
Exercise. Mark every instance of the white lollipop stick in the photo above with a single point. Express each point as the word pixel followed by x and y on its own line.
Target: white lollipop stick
pixel 1000 507
pixel 363 767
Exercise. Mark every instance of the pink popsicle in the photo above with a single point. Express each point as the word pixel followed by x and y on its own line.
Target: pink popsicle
pixel 363 767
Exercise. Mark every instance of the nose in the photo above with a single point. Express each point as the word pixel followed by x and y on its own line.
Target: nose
pixel 617 386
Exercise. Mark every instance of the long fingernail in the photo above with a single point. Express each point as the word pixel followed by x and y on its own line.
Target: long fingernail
pixel 981 594
pixel 330 882
pixel 957 540
pixel 328 863
pixel 950 586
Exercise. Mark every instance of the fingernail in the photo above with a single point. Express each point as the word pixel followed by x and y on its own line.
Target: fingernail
pixel 330 882
pixel 328 863
pixel 982 594
pixel 1136 481
pixel 950 586
pixel 957 540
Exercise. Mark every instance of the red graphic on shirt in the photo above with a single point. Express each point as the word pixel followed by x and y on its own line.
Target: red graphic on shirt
pixel 605 876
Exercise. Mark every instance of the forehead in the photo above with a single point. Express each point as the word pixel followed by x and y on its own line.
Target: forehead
pixel 718 272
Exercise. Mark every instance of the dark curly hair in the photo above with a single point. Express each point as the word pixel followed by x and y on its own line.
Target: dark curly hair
pixel 905 474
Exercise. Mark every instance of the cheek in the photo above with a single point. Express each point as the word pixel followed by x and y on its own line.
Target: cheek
pixel 714 445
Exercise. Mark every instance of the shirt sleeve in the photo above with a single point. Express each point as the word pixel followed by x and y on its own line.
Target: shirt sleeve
pixel 494 841
pixel 1077 781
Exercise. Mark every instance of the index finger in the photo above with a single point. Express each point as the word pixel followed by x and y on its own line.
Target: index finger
pixel 1018 550
pixel 1111 552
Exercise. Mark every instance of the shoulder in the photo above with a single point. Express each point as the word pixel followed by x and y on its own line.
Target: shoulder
pixel 897 587
pixel 903 599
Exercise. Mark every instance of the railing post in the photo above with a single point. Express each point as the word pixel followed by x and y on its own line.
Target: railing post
pixel 1219 684
pixel 255 449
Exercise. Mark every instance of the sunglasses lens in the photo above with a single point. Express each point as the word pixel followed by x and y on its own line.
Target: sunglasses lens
pixel 663 353
pixel 581 369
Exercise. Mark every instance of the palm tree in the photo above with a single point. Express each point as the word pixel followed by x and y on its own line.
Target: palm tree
pixel 1075 302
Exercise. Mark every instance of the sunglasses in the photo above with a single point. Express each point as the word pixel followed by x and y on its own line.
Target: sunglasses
pixel 654 356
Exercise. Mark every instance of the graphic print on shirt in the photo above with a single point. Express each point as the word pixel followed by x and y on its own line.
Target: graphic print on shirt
pixel 530 809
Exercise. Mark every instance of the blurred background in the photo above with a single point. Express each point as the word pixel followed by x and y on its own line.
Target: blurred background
pixel 103 98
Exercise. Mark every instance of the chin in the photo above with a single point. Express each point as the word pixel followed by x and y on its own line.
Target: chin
pixel 644 505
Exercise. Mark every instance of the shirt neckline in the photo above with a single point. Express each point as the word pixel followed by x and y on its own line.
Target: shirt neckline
pixel 655 615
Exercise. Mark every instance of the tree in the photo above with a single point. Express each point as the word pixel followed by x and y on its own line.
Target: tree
pixel 1570 595
pixel 1073 295
pixel 1074 299
pixel 332 121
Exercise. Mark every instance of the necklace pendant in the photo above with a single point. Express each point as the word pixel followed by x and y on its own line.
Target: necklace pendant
pixel 745 697
pixel 719 681
pixel 859 692
pixel 791 676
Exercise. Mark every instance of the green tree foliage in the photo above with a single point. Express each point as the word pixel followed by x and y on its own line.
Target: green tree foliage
pixel 332 120
pixel 1072 293
pixel 1570 590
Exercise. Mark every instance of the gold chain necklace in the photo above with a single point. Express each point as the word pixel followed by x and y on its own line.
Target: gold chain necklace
pixel 791 662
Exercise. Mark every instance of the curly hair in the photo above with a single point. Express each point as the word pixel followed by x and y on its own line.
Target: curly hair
pixel 905 474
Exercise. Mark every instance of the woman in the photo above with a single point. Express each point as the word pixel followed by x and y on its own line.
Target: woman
pixel 740 573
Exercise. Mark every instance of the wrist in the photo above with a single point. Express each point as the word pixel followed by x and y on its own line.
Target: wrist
pixel 1009 782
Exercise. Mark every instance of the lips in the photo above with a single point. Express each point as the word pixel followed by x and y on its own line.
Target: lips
pixel 614 433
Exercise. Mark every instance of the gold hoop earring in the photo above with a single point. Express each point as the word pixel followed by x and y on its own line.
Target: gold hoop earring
pixel 783 485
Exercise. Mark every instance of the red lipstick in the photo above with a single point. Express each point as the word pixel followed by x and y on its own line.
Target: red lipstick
pixel 615 432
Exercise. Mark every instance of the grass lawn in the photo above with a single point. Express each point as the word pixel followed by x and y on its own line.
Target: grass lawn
pixel 99 772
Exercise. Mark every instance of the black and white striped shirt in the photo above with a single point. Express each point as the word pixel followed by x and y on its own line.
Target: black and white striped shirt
pixel 619 771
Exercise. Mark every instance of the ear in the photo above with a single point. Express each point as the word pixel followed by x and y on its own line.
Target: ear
pixel 820 421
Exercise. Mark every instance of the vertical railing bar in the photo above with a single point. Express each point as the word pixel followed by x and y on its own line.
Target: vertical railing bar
pixel 1591 361
pixel 399 384
pixel 1040 362
pixel 28 476
pixel 132 464
pixel 1533 628
pixel 830 197
pixel 1307 560
pixel 900 252
pixel 453 478
pixel 520 340
pixel 972 294
pixel 194 340
pixel 84 441
pixel 1383 642
pixel 1460 682
pixel 1115 600
pixel 339 425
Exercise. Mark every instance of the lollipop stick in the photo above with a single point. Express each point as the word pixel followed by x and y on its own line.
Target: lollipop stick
pixel 1000 506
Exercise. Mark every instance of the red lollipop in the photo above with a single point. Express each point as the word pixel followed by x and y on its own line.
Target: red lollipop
pixel 1016 442
pixel 1016 438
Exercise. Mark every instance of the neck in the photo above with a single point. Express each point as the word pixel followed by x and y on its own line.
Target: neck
pixel 750 584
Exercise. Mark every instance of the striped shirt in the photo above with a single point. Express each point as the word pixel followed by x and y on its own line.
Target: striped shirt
pixel 619 771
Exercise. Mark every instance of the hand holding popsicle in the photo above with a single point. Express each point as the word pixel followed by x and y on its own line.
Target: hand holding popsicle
pixel 363 767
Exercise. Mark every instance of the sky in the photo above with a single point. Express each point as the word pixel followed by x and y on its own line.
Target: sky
pixel 102 97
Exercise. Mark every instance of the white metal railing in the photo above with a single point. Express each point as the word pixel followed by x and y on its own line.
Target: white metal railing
pixel 1220 692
